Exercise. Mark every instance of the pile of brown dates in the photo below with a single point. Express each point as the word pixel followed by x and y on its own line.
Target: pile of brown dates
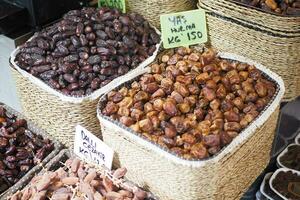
pixel 77 180
pixel 284 7
pixel 20 149
pixel 87 49
pixel 191 103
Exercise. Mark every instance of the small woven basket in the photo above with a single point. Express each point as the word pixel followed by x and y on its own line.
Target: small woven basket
pixel 59 160
pixel 32 127
pixel 57 113
pixel 151 10
pixel 278 51
pixel 224 176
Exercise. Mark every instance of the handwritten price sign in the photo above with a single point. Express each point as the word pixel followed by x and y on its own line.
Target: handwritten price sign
pixel 119 4
pixel 90 148
pixel 183 28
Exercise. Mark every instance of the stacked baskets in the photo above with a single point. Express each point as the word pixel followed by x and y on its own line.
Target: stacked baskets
pixel 268 38
pixel 225 176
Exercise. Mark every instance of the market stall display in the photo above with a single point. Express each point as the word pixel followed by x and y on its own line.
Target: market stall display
pixel 68 177
pixel 162 107
pixel 63 69
pixel 24 150
pixel 270 39
pixel 189 122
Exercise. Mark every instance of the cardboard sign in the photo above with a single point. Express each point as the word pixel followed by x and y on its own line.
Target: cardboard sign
pixel 183 28
pixel 91 149
pixel 119 4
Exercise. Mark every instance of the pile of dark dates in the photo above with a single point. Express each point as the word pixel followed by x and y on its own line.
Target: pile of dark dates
pixel 87 49
pixel 20 149
pixel 192 103
pixel 284 7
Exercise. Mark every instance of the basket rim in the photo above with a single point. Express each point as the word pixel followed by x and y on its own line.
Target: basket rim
pixel 243 136
pixel 297 138
pixel 269 13
pixel 260 28
pixel 94 95
pixel 284 152
pixel 272 14
pixel 262 186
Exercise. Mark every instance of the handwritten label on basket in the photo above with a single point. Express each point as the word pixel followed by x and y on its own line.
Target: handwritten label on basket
pixel 119 4
pixel 183 28
pixel 90 148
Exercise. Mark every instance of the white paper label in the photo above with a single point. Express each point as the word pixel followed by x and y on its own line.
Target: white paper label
pixel 90 148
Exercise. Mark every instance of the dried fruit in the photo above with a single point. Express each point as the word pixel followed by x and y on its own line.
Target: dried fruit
pixel 104 45
pixel 287 7
pixel 20 149
pixel 194 104
pixel 89 183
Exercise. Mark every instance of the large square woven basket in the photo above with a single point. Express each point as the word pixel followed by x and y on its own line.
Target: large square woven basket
pixel 267 38
pixel 32 127
pixel 224 176
pixel 57 113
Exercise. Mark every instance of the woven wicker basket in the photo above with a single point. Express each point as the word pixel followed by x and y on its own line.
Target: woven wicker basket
pixel 59 160
pixel 151 10
pixel 268 21
pixel 277 51
pixel 57 113
pixel 224 176
pixel 32 127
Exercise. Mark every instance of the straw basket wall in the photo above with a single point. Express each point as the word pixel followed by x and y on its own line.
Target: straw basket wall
pixel 224 176
pixel 277 49
pixel 268 21
pixel 32 127
pixel 56 116
pixel 151 10
pixel 57 113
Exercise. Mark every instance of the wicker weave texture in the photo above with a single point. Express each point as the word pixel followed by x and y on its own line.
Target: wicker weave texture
pixel 57 113
pixel 224 176
pixel 57 117
pixel 227 179
pixel 280 54
pixel 268 21
pixel 151 10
